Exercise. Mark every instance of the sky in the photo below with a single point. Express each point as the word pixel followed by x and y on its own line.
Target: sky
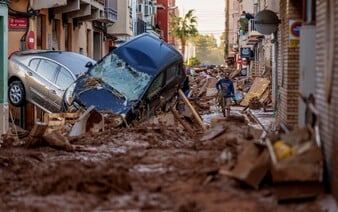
pixel 209 13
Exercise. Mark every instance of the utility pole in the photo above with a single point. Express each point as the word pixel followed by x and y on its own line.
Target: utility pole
pixel 3 65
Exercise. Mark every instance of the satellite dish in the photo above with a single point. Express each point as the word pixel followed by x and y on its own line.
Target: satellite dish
pixel 266 22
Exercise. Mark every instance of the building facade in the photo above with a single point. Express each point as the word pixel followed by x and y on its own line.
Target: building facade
pixel 300 56
pixel 80 26
pixel 321 19
pixel 123 29
pixel 165 9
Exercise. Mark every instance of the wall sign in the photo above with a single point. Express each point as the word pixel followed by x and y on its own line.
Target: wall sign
pixel 246 52
pixel 294 33
pixel 17 23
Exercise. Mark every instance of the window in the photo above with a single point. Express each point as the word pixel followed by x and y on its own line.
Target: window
pixel 64 79
pixel 47 69
pixel 34 64
pixel 139 8
pixel 172 72
pixel 156 85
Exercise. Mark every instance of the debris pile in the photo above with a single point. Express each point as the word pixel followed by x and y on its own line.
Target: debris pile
pixel 169 152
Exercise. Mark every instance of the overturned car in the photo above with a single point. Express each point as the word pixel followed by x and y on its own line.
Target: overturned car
pixel 134 80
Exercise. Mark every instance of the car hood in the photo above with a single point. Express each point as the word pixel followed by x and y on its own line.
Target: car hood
pixel 100 95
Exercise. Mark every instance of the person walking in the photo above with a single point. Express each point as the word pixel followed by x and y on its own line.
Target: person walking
pixel 226 92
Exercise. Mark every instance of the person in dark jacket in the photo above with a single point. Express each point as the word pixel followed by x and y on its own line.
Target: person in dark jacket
pixel 225 88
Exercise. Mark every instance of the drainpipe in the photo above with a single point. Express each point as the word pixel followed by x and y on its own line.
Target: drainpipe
pixel 3 65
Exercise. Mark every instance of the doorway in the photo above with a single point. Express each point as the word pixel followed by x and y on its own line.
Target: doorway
pixel 41 32
pixel 97 46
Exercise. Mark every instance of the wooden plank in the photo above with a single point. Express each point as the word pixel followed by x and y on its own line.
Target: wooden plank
pixel 38 130
pixel 71 118
pixel 257 90
pixel 184 124
pixel 29 116
pixel 252 165
pixel 195 114
pixel 55 121
pixel 297 190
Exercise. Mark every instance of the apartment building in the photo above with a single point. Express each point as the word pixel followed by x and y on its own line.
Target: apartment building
pixel 123 29
pixel 77 25
pixel 165 9
pixel 146 14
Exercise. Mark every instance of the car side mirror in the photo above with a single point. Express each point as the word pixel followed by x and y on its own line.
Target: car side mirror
pixel 89 64
pixel 148 99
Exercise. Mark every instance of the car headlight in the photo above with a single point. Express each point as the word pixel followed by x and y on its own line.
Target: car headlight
pixel 69 94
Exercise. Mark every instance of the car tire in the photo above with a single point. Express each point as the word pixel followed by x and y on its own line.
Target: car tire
pixel 16 93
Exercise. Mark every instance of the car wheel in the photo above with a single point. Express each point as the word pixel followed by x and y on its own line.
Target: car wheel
pixel 16 93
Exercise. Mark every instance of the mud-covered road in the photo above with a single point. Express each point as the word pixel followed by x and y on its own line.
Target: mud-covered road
pixel 149 168
pixel 152 167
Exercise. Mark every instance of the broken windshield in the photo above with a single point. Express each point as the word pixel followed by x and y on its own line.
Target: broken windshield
pixel 121 76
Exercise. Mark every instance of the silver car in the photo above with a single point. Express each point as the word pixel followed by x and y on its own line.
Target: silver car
pixel 42 76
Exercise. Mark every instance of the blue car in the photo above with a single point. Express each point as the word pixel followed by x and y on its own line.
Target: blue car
pixel 134 80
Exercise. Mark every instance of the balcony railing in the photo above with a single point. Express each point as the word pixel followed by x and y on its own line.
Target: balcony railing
pixel 110 11
pixel 110 15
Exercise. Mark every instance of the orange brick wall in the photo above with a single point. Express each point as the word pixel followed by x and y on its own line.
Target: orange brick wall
pixel 288 65
pixel 328 111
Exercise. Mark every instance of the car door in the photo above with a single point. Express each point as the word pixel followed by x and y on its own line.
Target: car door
pixel 41 80
pixel 64 79
pixel 171 83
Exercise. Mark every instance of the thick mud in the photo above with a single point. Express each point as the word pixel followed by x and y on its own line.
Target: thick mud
pixel 148 168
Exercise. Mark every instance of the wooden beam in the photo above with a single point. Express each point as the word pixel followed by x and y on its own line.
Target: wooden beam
pixel 195 114
pixel 184 124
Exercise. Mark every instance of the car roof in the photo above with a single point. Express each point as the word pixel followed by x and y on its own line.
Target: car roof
pixel 148 53
pixel 74 61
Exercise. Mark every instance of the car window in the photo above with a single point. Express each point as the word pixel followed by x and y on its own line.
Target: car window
pixel 34 63
pixel 172 72
pixel 48 69
pixel 156 85
pixel 64 79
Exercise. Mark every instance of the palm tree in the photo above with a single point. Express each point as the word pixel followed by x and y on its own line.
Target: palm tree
pixel 184 28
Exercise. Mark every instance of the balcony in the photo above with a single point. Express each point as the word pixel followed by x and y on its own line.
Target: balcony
pixel 109 14
pixel 43 4
pixel 253 35
pixel 83 10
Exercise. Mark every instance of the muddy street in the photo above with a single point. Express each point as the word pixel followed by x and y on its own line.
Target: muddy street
pixel 171 162
pixel 146 168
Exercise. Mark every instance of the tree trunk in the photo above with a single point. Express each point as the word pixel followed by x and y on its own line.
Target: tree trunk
pixel 183 48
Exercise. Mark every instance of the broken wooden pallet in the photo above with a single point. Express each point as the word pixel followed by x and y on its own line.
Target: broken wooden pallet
pixel 57 121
